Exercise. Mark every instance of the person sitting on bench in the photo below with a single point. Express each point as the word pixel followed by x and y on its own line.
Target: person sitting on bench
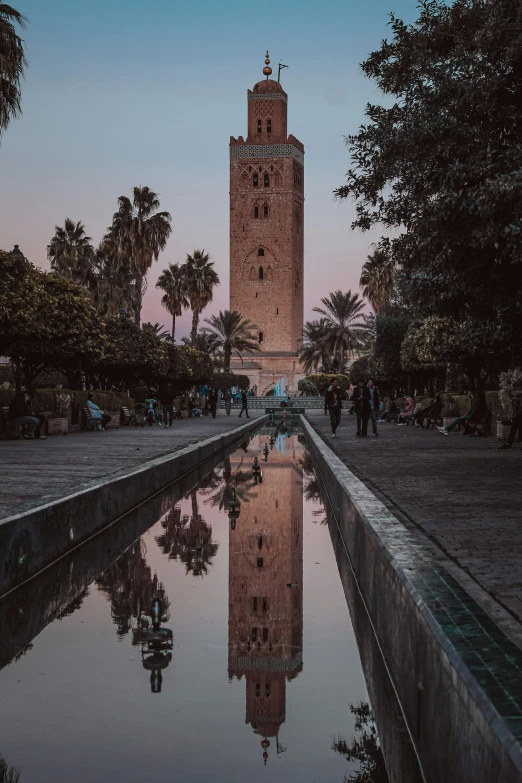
pixel 433 411
pixel 102 419
pixel 476 413
pixel 20 413
pixel 407 413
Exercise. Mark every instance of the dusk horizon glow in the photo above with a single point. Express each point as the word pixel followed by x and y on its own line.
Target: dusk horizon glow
pixel 114 98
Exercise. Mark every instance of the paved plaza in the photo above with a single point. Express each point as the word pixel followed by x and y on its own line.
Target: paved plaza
pixel 461 495
pixel 32 469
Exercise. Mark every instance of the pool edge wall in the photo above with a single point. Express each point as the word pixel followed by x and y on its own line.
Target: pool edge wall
pixel 456 731
pixel 37 536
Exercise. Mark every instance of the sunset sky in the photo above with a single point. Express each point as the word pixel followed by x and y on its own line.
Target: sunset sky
pixel 125 93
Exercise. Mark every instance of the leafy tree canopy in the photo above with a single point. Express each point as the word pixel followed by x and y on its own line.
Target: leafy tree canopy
pixel 443 162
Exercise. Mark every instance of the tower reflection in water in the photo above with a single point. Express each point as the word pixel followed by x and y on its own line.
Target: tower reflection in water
pixel 265 628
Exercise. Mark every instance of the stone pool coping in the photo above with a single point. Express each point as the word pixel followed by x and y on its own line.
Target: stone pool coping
pixel 41 532
pixel 457 675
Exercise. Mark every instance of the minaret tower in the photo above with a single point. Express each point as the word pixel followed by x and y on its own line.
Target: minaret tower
pixel 266 235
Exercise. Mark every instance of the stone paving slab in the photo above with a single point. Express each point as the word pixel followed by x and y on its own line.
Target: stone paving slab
pixel 461 495
pixel 30 470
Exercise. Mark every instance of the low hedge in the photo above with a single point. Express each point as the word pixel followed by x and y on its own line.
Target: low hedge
pixel 64 403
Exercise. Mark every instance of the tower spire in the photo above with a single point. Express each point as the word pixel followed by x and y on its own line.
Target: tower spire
pixel 267 69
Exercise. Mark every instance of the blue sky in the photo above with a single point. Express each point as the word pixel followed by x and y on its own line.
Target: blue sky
pixel 124 93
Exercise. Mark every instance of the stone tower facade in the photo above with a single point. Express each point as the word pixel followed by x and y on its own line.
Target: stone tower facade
pixel 265 622
pixel 267 236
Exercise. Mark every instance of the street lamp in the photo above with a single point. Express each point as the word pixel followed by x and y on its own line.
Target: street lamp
pixel 258 473
pixel 234 508
pixel 156 644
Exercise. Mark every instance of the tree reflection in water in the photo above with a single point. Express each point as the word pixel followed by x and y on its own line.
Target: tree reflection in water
pixel 364 748
pixel 8 774
pixel 312 490
pixel 131 588
pixel 220 492
pixel 188 539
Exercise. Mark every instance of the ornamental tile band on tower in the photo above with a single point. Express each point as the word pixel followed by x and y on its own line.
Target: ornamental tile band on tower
pixel 267 236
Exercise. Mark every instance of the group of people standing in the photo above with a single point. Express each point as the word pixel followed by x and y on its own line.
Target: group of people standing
pixel 157 406
pixel 366 402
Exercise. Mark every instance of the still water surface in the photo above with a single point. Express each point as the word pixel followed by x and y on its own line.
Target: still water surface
pixel 263 667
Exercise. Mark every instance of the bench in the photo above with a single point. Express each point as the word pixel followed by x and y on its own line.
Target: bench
pixel 480 427
pixel 89 422
pixel 7 428
pixel 432 421
pixel 127 417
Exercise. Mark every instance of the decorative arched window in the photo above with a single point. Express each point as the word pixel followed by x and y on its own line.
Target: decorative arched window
pixel 255 180
pixel 266 180
pixel 256 212
pixel 260 340
pixel 269 126
pixel 265 211
pixel 260 252
pixel 267 689
pixel 269 273
pixel 259 126
pixel 261 273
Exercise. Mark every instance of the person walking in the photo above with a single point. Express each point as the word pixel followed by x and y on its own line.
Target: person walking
pixel 361 399
pixel 516 424
pixel 244 403
pixel 333 402
pixel 228 401
pixel 213 400
pixel 166 397
pixel 374 406
pixel 140 394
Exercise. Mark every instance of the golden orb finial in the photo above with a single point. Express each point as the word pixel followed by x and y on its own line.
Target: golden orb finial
pixel 267 69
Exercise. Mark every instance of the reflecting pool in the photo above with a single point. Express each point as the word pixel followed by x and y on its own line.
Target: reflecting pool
pixel 206 637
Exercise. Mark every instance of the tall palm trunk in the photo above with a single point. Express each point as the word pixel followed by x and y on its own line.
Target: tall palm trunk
pixel 173 326
pixel 195 321
pixel 139 299
pixel 227 355
pixel 195 509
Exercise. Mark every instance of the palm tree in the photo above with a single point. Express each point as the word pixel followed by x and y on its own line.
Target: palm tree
pixel 201 279
pixel 141 232
pixel 233 334
pixel 12 64
pixel 71 253
pixel 344 327
pixel 206 342
pixel 173 281
pixel 157 329
pixel 113 283
pixel 314 351
pixel 378 279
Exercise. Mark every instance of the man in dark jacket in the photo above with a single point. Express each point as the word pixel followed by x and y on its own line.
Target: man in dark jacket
pixel 166 397
pixel 361 400
pixel 20 413
pixel 140 394
pixel 244 403
pixel 213 398
pixel 374 407
pixel 227 395
pixel 333 403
